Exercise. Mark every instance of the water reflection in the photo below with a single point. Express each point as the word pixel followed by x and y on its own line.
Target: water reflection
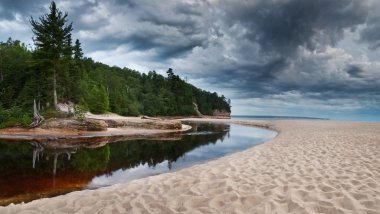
pixel 33 170
pixel 38 152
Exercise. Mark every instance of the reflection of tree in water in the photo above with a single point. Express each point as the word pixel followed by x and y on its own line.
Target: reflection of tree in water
pixel 127 154
pixel 131 154
pixel 34 170
pixel 29 169
pixel 84 160
pixel 38 152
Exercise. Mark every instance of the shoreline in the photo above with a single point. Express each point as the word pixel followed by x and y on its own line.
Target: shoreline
pixel 309 167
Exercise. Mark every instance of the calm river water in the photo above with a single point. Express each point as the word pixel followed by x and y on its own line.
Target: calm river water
pixel 29 171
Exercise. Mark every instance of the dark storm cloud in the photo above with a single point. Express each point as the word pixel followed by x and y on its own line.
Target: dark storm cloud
pixel 283 26
pixel 170 29
pixel 284 31
pixel 258 83
pixel 355 71
pixel 184 21
pixel 129 3
pixel 371 34
pixel 265 49
pixel 26 8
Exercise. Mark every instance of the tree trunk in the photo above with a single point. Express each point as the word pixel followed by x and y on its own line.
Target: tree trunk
pixel 55 90
pixel 37 118
pixel 35 111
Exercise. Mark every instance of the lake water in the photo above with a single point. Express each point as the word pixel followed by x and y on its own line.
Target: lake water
pixel 253 117
pixel 30 171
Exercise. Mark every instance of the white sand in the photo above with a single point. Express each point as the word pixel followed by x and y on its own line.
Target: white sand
pixel 310 167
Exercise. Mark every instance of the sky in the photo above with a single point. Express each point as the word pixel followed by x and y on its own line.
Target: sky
pixel 314 58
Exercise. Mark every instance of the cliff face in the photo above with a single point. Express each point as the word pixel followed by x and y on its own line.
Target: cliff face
pixel 221 113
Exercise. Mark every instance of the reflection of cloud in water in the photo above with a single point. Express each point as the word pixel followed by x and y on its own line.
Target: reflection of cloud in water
pixel 242 137
pixel 251 132
pixel 123 176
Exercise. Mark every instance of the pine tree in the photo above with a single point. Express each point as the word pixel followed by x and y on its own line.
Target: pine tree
pixel 78 54
pixel 97 100
pixel 52 40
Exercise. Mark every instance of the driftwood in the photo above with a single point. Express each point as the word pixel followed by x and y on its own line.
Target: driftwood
pixel 37 118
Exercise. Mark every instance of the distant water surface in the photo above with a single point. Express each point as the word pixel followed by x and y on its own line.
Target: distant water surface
pixel 253 117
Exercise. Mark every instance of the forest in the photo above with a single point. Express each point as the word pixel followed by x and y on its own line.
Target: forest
pixel 55 71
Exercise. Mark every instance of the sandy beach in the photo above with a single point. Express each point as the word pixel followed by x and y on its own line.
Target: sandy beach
pixel 310 167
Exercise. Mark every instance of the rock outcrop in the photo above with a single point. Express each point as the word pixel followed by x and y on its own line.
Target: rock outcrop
pixel 221 113
pixel 74 124
pixel 66 108
pixel 144 123
pixel 102 123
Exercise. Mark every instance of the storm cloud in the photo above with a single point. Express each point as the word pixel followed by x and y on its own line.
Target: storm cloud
pixel 299 57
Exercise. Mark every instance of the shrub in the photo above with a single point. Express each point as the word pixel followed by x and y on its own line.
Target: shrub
pixel 79 112
pixel 51 113
pixel 14 116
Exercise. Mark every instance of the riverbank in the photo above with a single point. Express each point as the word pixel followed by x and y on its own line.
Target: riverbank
pixel 310 167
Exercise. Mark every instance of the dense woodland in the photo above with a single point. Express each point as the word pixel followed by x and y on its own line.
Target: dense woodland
pixel 55 70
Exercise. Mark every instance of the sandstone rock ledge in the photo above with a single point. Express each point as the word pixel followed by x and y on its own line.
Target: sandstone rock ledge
pixel 101 124
pixel 144 123
pixel 73 124
pixel 97 128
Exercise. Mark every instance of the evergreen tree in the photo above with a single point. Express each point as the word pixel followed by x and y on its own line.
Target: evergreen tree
pixel 97 100
pixel 14 72
pixel 78 54
pixel 74 74
pixel 52 40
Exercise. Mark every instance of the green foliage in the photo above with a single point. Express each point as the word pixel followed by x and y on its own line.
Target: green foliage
pixel 51 113
pixel 26 119
pixel 79 112
pixel 91 160
pixel 97 100
pixel 14 116
pixel 14 72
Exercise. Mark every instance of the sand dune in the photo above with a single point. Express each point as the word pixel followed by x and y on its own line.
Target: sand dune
pixel 310 167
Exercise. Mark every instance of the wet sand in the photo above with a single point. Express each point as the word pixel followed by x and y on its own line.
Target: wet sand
pixel 310 167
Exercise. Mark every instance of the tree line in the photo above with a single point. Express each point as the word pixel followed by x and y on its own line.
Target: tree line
pixel 55 70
